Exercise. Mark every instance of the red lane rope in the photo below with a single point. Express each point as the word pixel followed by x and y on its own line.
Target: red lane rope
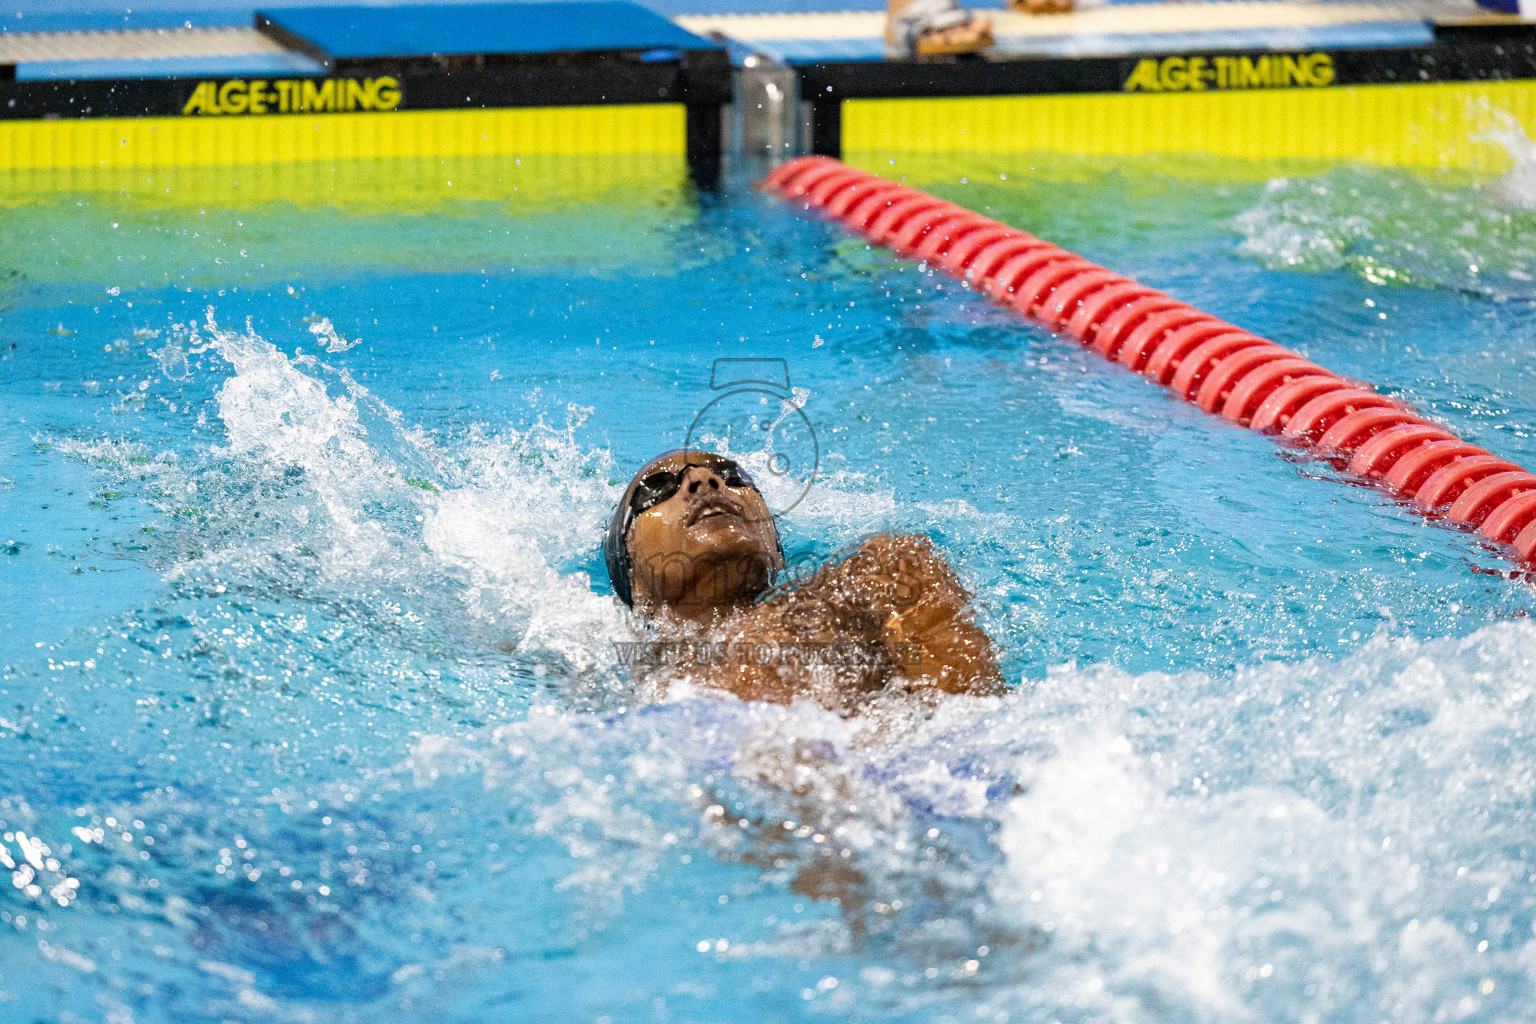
pixel 1221 368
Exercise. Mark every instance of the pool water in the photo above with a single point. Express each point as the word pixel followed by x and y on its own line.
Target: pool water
pixel 310 707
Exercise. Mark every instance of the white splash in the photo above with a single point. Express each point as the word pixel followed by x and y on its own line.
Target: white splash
pixel 326 332
pixel 1295 227
pixel 1517 188
pixel 486 532
pixel 1398 226
pixel 497 533
pixel 1178 846
pixel 276 412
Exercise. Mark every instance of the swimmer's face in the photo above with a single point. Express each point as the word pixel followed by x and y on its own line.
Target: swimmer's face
pixel 706 546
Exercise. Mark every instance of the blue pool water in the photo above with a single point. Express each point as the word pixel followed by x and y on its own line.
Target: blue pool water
pixel 310 709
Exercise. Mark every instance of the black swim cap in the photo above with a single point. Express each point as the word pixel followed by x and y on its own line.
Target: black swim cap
pixel 616 540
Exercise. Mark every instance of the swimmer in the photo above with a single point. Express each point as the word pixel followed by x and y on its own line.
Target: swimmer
pixel 1042 6
pixel 935 28
pixel 932 28
pixel 693 548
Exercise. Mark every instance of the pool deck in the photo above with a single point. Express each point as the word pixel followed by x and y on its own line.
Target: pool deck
pixel 1109 29
pixel 57 42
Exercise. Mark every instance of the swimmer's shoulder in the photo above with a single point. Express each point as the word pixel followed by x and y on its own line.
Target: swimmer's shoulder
pixel 884 571
pixel 929 617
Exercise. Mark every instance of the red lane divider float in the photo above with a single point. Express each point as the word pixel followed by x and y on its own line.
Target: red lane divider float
pixel 1219 367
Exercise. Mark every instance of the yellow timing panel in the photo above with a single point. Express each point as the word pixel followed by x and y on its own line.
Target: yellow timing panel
pixel 199 138
pixel 1296 112
pixel 537 183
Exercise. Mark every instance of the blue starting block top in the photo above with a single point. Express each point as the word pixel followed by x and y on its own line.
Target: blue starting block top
pixel 364 33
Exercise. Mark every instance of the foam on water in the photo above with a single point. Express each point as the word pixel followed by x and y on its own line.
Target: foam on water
pixel 504 515
pixel 1304 839
pixel 1517 187
pixel 360 749
pixel 321 475
pixel 1329 837
pixel 1397 228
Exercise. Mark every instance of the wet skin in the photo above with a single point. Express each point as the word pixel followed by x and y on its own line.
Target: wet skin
pixel 706 551
pixel 891 614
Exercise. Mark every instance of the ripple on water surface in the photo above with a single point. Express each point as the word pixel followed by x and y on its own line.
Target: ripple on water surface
pixel 311 709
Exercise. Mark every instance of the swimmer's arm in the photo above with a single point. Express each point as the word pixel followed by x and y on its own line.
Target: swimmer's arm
pixel 928 625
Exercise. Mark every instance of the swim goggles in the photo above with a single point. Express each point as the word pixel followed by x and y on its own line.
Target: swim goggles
pixel 649 488
pixel 655 488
